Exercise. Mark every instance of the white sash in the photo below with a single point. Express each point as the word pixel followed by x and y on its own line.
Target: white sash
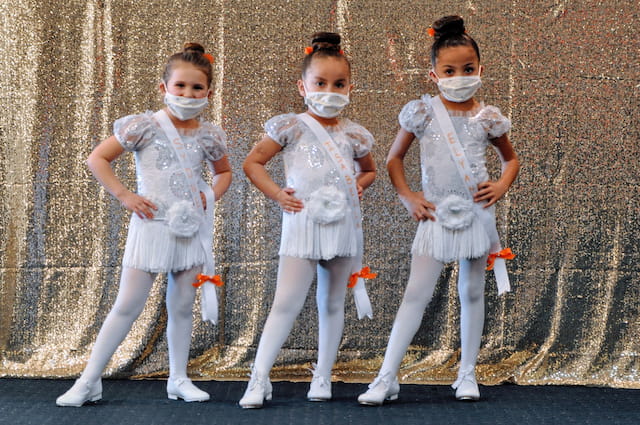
pixel 209 298
pixel 458 156
pixel 360 296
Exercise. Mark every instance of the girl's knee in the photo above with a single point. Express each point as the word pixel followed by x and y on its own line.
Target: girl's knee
pixel 332 308
pixel 472 293
pixel 127 311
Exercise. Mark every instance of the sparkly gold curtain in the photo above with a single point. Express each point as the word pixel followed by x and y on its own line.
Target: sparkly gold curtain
pixel 566 72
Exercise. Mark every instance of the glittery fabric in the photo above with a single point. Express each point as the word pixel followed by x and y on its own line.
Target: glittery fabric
pixel 564 72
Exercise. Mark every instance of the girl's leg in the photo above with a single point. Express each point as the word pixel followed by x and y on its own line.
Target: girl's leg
pixel 294 279
pixel 471 282
pixel 135 286
pixel 424 275
pixel 180 297
pixel 132 295
pixel 333 277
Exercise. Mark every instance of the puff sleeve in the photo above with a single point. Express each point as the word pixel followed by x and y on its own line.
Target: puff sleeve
pixel 283 129
pixel 133 132
pixel 492 122
pixel 213 141
pixel 416 115
pixel 360 138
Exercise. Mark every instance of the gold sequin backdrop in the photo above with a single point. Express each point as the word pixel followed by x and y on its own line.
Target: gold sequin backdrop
pixel 565 72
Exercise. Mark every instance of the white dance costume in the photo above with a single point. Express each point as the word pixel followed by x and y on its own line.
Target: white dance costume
pixel 152 247
pixel 321 237
pixel 314 232
pixel 458 233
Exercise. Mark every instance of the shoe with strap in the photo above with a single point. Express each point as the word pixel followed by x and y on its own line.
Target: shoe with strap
pixel 466 386
pixel 184 389
pixel 320 389
pixel 384 388
pixel 258 390
pixel 80 393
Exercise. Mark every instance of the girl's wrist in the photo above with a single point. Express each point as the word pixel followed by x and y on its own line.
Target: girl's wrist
pixel 403 193
pixel 275 193
pixel 121 193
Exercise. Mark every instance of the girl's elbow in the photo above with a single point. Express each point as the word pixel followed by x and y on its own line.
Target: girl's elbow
pixel 246 167
pixel 91 162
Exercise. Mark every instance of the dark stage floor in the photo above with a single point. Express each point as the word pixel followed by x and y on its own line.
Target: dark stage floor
pixel 32 401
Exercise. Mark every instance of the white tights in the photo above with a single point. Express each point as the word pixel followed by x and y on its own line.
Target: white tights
pixel 134 289
pixel 294 279
pixel 423 277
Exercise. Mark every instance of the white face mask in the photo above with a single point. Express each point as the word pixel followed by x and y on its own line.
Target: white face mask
pixel 185 108
pixel 458 89
pixel 325 104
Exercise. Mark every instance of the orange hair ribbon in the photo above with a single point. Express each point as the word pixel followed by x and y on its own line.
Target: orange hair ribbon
pixel 308 50
pixel 364 273
pixel 203 278
pixel 431 32
pixel 505 254
pixel 208 57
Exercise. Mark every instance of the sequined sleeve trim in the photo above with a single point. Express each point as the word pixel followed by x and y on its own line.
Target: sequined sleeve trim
pixel 416 115
pixel 213 140
pixel 492 121
pixel 361 139
pixel 283 128
pixel 133 131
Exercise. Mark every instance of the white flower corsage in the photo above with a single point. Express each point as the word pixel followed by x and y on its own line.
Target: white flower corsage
pixel 455 212
pixel 183 219
pixel 326 205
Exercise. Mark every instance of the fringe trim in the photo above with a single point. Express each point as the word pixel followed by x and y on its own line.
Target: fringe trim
pixel 152 247
pixel 449 245
pixel 303 238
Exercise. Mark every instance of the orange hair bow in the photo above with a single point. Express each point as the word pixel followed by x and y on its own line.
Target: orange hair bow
pixel 208 57
pixel 308 50
pixel 364 273
pixel 505 254
pixel 431 32
pixel 203 278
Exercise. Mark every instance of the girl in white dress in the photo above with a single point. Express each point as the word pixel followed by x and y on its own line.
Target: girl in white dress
pixel 321 221
pixel 171 228
pixel 456 218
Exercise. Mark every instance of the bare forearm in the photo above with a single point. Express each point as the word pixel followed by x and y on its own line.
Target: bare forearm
pixel 510 170
pixel 102 171
pixel 221 183
pixel 395 167
pixel 365 178
pixel 258 175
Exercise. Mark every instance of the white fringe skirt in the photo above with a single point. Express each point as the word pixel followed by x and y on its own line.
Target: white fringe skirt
pixel 443 244
pixel 303 238
pixel 152 247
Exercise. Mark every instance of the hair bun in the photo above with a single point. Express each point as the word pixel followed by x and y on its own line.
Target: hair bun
pixel 448 26
pixel 193 47
pixel 325 40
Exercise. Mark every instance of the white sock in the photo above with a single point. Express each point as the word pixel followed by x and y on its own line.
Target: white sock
pixel 132 295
